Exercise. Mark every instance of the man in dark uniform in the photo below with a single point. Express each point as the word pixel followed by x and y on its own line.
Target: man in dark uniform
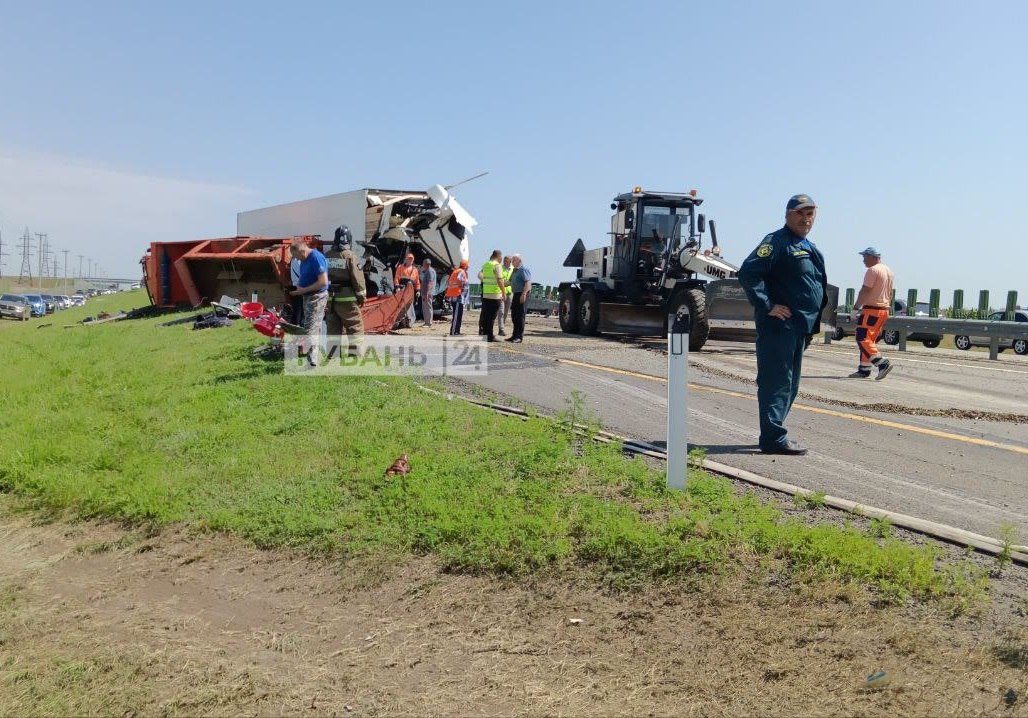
pixel 785 281
pixel 348 290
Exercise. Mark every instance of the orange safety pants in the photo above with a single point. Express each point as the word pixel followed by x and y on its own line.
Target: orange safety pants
pixel 872 321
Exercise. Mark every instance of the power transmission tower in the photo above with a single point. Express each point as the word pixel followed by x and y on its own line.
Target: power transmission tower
pixel 26 258
pixel 41 257
pixel 65 267
pixel 80 267
pixel 2 253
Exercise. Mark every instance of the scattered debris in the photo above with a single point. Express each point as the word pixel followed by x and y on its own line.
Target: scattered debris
pixel 401 466
pixel 575 621
pixel 101 318
pixel 877 680
pixel 1010 697
pixel 212 323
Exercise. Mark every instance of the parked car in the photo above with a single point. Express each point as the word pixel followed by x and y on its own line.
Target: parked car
pixel 52 305
pixel 36 302
pixel 66 301
pixel 15 309
pixel 1020 346
pixel 78 300
pixel 892 336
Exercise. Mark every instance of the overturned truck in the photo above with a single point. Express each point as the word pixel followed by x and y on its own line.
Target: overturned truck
pixel 385 225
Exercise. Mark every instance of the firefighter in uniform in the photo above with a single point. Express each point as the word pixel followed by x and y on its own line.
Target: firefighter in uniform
pixel 785 281
pixel 348 291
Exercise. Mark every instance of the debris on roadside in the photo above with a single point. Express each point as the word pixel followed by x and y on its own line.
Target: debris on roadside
pixel 399 467
pixel 214 322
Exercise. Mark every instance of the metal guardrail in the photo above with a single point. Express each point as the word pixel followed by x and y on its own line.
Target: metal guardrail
pixel 994 330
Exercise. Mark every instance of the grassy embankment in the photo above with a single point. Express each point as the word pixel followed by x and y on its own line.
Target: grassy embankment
pixel 132 422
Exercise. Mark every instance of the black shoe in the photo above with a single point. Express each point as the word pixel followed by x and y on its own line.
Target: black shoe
pixel 491 339
pixel 859 374
pixel 516 341
pixel 883 370
pixel 510 339
pixel 790 448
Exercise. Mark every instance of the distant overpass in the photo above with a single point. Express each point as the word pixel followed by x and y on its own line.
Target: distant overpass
pixel 108 280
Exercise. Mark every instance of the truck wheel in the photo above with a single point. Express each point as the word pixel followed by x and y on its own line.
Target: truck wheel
pixel 962 341
pixel 1021 346
pixel 588 312
pixel 931 343
pixel 839 334
pixel 696 300
pixel 568 311
pixel 891 337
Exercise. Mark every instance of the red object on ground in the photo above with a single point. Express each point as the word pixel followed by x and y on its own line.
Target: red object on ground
pixel 401 466
pixel 251 310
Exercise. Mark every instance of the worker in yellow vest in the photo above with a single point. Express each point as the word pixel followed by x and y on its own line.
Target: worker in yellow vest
pixel 504 314
pixel 493 289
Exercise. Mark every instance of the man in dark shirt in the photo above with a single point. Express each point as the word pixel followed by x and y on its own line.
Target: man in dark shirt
pixel 785 281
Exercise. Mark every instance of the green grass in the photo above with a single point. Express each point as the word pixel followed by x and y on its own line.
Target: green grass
pixel 155 426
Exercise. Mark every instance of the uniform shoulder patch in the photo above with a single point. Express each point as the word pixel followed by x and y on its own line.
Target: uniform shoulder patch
pixel 764 250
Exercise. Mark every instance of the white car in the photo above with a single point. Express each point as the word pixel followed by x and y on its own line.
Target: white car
pixel 1020 346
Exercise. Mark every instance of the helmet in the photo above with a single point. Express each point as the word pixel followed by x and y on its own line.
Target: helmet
pixel 343 239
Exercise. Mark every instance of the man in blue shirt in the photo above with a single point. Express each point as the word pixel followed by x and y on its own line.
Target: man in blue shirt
pixel 312 285
pixel 785 281
pixel 521 285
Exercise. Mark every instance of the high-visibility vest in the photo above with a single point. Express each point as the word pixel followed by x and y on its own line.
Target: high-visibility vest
pixel 405 272
pixel 507 273
pixel 455 285
pixel 490 289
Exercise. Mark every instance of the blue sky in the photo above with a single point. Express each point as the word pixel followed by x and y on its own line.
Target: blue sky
pixel 126 122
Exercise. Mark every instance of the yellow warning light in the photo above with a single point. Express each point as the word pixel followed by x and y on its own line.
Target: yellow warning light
pixel 637 190
pixel 692 192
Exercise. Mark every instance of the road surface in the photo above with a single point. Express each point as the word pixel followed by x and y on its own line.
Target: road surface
pixel 944 437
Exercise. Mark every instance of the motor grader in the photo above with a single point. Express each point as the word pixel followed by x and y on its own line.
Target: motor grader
pixel 651 268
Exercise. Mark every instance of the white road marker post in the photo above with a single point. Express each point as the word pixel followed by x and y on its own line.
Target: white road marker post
pixel 677 398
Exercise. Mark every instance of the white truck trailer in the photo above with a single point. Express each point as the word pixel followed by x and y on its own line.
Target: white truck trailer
pixel 385 224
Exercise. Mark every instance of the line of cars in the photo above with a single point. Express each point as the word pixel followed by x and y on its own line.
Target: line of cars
pixel 24 306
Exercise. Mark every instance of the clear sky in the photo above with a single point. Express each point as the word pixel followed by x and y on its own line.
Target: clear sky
pixel 127 122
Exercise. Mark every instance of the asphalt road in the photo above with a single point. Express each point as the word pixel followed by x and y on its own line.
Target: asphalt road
pixel 963 461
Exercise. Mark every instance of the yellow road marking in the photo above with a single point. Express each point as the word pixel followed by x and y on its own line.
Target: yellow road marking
pixel 814 409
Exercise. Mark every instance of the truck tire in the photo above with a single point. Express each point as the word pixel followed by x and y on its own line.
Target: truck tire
pixel 931 343
pixel 1021 346
pixel 891 337
pixel 696 300
pixel 568 311
pixel 962 341
pixel 588 312
pixel 839 334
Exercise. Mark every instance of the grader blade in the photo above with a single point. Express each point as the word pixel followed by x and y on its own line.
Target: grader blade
pixel 632 319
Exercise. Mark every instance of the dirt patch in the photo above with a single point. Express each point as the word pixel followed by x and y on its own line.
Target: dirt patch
pixel 98 619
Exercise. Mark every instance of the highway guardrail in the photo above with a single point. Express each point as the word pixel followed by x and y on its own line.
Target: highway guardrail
pixel 994 330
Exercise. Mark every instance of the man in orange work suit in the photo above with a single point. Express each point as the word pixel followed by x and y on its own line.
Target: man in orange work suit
pixel 406 274
pixel 872 308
